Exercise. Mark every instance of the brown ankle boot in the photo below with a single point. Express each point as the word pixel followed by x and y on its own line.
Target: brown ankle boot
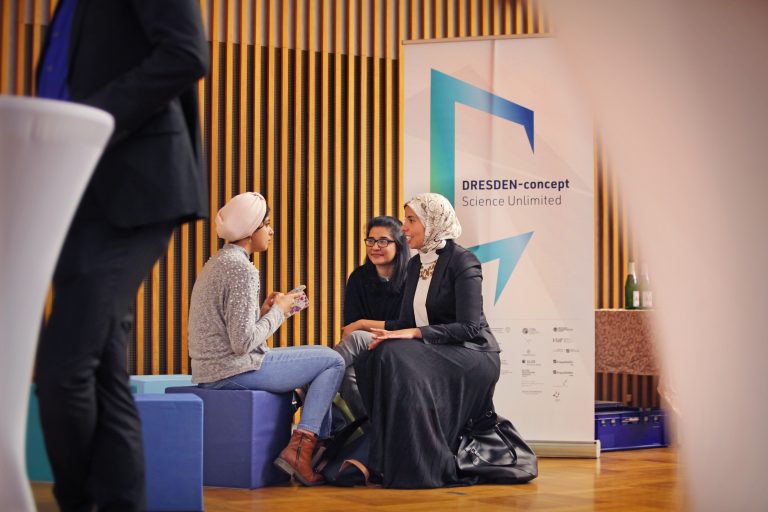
pixel 296 459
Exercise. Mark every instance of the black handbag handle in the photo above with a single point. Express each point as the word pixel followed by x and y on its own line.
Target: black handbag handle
pixel 487 418
pixel 503 437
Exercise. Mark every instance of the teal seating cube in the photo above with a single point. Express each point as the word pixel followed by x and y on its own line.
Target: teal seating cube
pixel 141 384
pixel 38 467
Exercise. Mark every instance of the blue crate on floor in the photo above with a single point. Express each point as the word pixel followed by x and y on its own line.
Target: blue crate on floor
pixel 244 431
pixel 141 384
pixel 172 428
pixel 629 428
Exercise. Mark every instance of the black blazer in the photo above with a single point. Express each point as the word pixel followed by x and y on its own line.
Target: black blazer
pixel 140 60
pixel 454 301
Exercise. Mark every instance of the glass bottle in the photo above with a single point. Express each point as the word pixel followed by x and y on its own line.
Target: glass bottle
pixel 646 293
pixel 631 289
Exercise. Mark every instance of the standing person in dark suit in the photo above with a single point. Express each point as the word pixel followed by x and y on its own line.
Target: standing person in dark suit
pixel 435 367
pixel 139 60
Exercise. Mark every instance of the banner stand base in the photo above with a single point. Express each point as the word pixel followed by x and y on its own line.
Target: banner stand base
pixel 566 449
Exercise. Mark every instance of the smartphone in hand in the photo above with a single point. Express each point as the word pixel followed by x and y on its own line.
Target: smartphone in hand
pixel 301 302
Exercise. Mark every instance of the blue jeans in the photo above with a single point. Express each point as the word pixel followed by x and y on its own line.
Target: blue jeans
pixel 285 369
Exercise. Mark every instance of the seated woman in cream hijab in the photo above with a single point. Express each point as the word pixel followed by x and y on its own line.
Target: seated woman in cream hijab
pixel 228 334
pixel 427 373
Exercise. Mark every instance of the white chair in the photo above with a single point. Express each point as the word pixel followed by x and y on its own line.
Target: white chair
pixel 48 150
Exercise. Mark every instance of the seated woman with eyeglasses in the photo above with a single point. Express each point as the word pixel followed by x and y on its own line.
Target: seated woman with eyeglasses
pixel 373 294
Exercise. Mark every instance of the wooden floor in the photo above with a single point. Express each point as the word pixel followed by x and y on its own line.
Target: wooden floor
pixel 640 480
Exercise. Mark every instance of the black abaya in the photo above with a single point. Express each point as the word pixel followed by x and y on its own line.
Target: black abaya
pixel 419 397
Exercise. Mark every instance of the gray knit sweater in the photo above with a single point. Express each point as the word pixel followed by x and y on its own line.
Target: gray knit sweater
pixel 226 335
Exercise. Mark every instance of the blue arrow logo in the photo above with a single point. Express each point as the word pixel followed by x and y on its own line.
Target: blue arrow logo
pixel 508 252
pixel 445 92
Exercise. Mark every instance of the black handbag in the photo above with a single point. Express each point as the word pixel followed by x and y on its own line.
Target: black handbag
pixel 491 449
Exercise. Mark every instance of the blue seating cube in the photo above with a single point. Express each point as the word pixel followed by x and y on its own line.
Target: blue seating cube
pixel 172 428
pixel 244 432
pixel 141 384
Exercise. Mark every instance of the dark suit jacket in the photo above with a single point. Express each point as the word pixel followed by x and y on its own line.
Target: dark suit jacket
pixel 454 301
pixel 140 60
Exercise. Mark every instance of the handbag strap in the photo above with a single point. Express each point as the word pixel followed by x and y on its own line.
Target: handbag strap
pixel 359 465
pixel 323 455
pixel 507 442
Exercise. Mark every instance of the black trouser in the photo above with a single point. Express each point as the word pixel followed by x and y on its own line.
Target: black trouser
pixel 350 348
pixel 90 422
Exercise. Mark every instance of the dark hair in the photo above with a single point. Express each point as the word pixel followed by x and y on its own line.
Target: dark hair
pixel 402 253
pixel 266 214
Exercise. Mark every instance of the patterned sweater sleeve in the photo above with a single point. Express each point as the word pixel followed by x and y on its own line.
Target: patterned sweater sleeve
pixel 246 331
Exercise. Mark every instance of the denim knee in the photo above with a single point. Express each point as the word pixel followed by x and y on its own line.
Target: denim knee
pixel 336 360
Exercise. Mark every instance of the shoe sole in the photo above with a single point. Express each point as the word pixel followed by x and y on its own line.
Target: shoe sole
pixel 283 466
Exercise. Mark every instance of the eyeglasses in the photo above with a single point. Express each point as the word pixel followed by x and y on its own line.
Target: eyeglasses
pixel 381 242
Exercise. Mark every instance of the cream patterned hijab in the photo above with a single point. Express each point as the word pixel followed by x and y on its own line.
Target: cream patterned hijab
pixel 439 219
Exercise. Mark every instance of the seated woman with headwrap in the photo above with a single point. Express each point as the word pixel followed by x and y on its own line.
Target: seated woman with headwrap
pixel 435 367
pixel 228 334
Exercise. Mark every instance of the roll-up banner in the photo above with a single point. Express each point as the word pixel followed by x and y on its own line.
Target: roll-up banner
pixel 498 127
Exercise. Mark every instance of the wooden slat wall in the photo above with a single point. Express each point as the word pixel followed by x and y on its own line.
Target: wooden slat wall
pixel 304 104
pixel 614 243
pixel 635 390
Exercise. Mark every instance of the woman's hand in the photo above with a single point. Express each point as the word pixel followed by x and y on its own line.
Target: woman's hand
pixel 380 335
pixel 285 301
pixel 361 325
pixel 268 302
pixel 350 328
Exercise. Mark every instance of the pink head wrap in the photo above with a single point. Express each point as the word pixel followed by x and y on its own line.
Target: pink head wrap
pixel 240 217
